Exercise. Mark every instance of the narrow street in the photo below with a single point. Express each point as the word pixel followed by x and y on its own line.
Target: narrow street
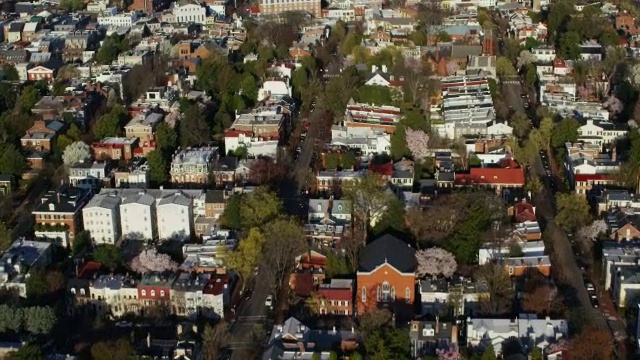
pixel 251 329
pixel 565 267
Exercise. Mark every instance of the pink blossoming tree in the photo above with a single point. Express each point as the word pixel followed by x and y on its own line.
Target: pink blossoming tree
pixel 614 105
pixel 591 232
pixel 417 143
pixel 447 354
pixel 436 261
pixel 150 260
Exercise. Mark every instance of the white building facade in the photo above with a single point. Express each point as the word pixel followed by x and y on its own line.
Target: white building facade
pixel 137 217
pixel 175 216
pixel 101 217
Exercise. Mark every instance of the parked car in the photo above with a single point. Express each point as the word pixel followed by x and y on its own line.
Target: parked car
pixel 247 294
pixel 269 301
pixel 594 301
pixel 590 287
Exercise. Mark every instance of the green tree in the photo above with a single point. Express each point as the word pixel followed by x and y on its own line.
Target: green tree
pixel 217 77
pixel 231 218
pixel 39 320
pixel 108 255
pixel 356 356
pixel 375 94
pixel 349 43
pixel 336 265
pixel 158 168
pixel 531 75
pixel 316 356
pixel 348 160
pixel 72 5
pixel 81 242
pixel 284 241
pixel 570 45
pixel 27 352
pixel 443 36
pixel 504 67
pixel 194 130
pixel 166 137
pixel 388 344
pixel 536 354
pixel 36 284
pixel 565 131
pixel 120 349
pixel 333 355
pixel 489 353
pixel 111 123
pixel 214 338
pixel 259 207
pixel 398 142
pixel 573 211
pixel 369 199
pixel 534 184
pixel 10 318
pixel 111 48
pixel 331 161
pixel 12 162
pixel 28 98
pixel 392 219
pixel 10 73
pixel 520 124
pixel 249 89
pixel 247 256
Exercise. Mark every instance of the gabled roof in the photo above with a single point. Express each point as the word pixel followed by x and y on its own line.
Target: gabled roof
pixel 391 250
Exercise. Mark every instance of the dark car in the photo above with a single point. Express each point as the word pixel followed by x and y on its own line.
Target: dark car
pixel 247 294
pixel 594 301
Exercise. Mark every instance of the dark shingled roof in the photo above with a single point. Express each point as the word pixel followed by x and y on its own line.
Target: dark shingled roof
pixel 391 250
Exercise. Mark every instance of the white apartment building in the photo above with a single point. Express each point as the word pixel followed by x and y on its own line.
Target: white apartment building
pixel 175 217
pixel 369 145
pixel 275 7
pixel 255 145
pixel 600 132
pixel 190 13
pixel 127 19
pixel 138 214
pixel 544 54
pixel 101 217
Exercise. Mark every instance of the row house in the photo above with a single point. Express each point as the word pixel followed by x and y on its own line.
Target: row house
pixel 59 214
pixel 335 298
pixel 460 294
pixel 143 126
pixel 89 175
pixel 585 163
pixel 206 257
pixel 333 180
pixel 498 179
pixel 384 118
pixel 309 273
pixel 42 135
pixel 527 329
pixel 601 132
pixel 183 294
pixel 114 148
pixel 146 214
pixel 41 72
pixel 134 175
pixel 18 259
pixel 193 166
pixel 622 225
pixel 101 218
pixel 429 336
pixel 328 221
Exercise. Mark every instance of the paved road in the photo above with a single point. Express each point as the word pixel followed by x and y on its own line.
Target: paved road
pixel 251 315
pixel 511 90
pixel 564 264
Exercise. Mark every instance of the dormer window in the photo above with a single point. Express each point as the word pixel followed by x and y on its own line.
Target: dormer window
pixel 319 207
pixel 391 78
pixel 73 291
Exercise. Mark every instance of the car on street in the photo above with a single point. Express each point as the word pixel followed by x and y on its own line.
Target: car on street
pixel 269 301
pixel 594 301
pixel 590 287
pixel 256 271
pixel 247 294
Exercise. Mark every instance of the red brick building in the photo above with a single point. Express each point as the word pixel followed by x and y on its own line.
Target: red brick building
pixel 497 179
pixel 155 289
pixel 386 275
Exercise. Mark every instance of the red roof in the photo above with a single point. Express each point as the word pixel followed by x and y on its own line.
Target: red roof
pixel 491 176
pixel 381 169
pixel 216 285
pixel 254 10
pixel 89 268
pixel 335 294
pixel 591 177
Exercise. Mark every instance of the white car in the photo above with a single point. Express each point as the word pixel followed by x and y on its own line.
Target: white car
pixel 269 301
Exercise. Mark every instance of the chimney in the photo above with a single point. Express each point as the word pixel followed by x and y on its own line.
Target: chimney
pixel 437 324
pixel 148 340
pixel 195 328
pixel 614 154
pixel 179 329
pixel 333 329
pixel 454 334
pixel 58 196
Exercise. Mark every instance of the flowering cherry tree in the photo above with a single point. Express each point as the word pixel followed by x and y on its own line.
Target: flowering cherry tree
pixel 447 354
pixel 525 58
pixel 436 261
pixel 591 232
pixel 77 152
pixel 417 143
pixel 150 260
pixel 614 105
